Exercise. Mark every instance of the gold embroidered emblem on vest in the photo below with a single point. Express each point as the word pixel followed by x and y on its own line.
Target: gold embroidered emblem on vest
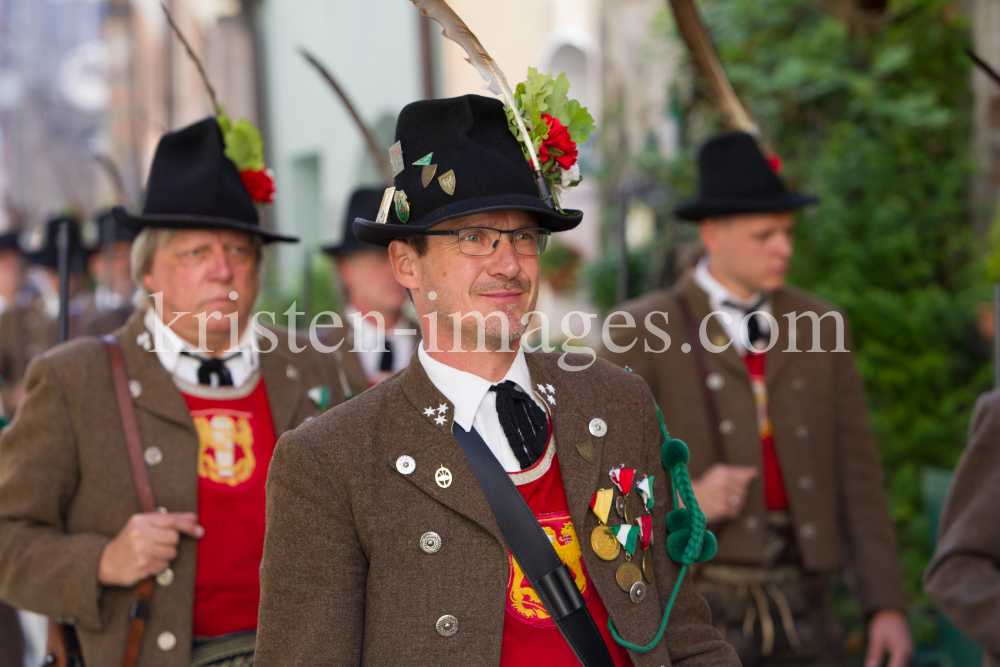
pixel 225 449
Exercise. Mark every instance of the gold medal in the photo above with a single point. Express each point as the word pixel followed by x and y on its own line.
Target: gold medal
pixel 647 565
pixel 620 506
pixel 629 512
pixel 604 543
pixel 628 575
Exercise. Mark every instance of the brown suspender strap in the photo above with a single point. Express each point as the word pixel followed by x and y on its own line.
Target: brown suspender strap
pixel 702 364
pixel 139 613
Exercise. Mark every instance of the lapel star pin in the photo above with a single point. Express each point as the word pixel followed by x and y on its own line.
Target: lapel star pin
pixel 440 420
pixel 430 412
pixel 443 408
pixel 541 388
pixel 142 340
pixel 551 398
pixel 552 390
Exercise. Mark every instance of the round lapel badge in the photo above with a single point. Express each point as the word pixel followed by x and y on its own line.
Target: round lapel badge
pixel 443 477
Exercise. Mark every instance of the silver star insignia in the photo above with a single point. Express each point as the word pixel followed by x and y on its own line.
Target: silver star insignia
pixel 429 412
pixel 439 420
pixel 552 389
pixel 443 408
pixel 541 388
pixel 142 340
pixel 552 399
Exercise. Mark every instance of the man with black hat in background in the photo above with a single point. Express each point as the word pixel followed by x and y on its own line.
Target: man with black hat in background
pixel 109 265
pixel 782 452
pixel 11 269
pixel 386 542
pixel 374 299
pixel 30 326
pixel 132 478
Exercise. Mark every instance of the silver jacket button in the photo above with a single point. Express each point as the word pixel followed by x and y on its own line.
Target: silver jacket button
pixel 135 388
pixel 430 542
pixel 726 427
pixel 598 427
pixel 153 456
pixel 165 578
pixel 715 381
pixel 405 464
pixel 808 531
pixel 802 432
pixel 798 384
pixel 805 482
pixel 291 372
pixel 447 625
pixel 166 641
pixel 751 523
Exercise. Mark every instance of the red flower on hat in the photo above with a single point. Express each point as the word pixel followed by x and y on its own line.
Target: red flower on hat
pixel 562 145
pixel 259 184
pixel 777 166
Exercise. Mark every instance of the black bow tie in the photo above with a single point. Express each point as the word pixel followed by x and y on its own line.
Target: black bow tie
pixel 213 367
pixel 754 332
pixel 523 422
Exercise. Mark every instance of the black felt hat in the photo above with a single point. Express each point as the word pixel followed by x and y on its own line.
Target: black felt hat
pixel 105 228
pixel 364 204
pixel 41 245
pixel 475 155
pixel 9 241
pixel 193 185
pixel 734 177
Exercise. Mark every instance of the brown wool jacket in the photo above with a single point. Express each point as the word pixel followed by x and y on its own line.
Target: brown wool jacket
pixel 832 472
pixel 66 487
pixel 352 376
pixel 344 580
pixel 963 578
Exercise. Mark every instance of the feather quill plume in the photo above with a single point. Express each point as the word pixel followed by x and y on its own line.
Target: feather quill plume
pixel 983 65
pixel 194 58
pixel 378 154
pixel 454 28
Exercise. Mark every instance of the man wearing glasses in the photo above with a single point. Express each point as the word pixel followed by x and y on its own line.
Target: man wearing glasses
pixel 383 545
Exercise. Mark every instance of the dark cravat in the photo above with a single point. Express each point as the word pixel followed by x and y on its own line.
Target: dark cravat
pixel 385 364
pixel 754 332
pixel 523 422
pixel 215 366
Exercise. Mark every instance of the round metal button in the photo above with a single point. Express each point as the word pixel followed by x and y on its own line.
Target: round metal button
pixel 727 426
pixel 715 381
pixel 166 641
pixel 430 542
pixel 808 531
pixel 135 388
pixel 598 427
pixel 802 432
pixel 638 592
pixel 805 482
pixel 165 578
pixel 291 372
pixel 447 625
pixel 751 523
pixel 405 464
pixel 153 456
pixel 162 510
pixel 798 384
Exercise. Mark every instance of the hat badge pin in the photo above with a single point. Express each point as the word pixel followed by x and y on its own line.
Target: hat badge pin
pixel 447 181
pixel 402 206
pixel 429 169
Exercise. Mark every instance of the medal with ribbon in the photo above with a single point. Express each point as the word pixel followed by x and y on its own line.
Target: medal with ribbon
pixel 623 478
pixel 645 524
pixel 628 574
pixel 603 540
pixel 645 489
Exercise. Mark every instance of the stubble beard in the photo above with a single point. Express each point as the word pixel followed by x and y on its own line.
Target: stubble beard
pixel 493 330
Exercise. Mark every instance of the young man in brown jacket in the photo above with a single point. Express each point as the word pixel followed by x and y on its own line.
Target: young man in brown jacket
pixel 211 392
pixel 782 453
pixel 963 578
pixel 382 548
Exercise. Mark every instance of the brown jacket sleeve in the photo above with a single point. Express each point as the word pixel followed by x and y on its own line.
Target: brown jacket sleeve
pixel 690 636
pixel 39 468
pixel 963 578
pixel 867 526
pixel 314 571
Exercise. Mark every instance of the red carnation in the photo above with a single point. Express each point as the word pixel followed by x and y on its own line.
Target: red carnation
pixel 259 184
pixel 560 141
pixel 777 166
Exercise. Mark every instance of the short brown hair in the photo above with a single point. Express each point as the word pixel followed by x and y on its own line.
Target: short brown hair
pixel 418 242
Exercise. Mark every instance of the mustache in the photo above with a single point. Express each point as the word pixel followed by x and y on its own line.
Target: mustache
pixel 503 285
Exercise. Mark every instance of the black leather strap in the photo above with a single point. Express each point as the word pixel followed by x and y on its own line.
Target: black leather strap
pixel 548 575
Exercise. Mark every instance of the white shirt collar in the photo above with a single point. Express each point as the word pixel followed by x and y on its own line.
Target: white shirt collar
pixel 717 292
pixel 467 391
pixel 185 368
pixel 718 295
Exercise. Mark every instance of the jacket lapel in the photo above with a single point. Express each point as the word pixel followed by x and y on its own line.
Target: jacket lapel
pixel 283 380
pixel 158 395
pixel 777 359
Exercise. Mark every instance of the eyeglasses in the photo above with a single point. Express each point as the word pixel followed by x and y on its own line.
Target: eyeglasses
pixel 482 241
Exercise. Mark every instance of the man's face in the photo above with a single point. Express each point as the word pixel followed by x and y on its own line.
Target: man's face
pixel 197 271
pixel 368 278
pixel 11 272
pixel 504 282
pixel 115 275
pixel 750 253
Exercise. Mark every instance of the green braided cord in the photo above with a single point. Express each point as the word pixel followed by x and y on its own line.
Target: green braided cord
pixel 663 626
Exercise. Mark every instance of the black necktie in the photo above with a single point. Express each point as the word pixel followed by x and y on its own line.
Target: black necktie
pixel 210 367
pixel 523 422
pixel 385 364
pixel 754 333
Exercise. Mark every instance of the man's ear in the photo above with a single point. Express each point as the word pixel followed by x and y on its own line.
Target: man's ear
pixel 708 230
pixel 405 264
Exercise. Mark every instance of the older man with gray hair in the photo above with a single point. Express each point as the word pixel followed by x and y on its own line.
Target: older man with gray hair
pixel 151 551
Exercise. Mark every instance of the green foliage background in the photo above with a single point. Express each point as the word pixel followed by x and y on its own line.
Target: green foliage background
pixel 878 125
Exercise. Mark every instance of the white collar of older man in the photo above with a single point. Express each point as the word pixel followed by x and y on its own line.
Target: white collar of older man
pixel 718 295
pixel 475 405
pixel 185 367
